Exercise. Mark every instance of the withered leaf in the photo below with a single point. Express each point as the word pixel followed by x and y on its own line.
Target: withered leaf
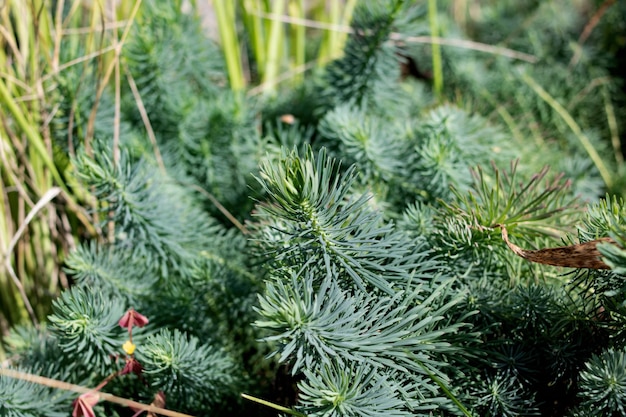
pixel 582 255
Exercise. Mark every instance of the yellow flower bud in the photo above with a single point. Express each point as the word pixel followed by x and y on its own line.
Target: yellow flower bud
pixel 129 347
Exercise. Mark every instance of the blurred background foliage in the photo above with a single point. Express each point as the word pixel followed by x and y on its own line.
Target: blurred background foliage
pixel 127 130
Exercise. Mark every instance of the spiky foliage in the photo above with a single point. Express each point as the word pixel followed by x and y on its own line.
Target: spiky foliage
pixel 502 395
pixel 568 66
pixel 336 298
pixel 177 274
pixel 131 196
pixel 194 375
pixel 24 398
pixel 173 65
pixel 87 323
pixel 464 226
pixel 350 391
pixel 603 384
pixel 370 63
pixel 371 277
pixel 159 250
pixel 605 289
pixel 202 128
pixel 350 236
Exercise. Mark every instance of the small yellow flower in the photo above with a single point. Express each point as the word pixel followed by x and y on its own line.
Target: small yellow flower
pixel 129 347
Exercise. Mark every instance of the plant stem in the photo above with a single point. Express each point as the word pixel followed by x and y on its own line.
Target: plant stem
pixel 274 406
pixel 298 36
pixel 436 50
pixel 274 46
pixel 569 120
pixel 224 10
pixel 251 10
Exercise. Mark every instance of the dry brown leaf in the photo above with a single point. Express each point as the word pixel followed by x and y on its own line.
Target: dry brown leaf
pixel 582 255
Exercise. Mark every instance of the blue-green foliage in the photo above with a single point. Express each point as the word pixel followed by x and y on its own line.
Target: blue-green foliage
pixel 160 251
pixel 331 326
pixel 315 217
pixel 174 263
pixel 114 270
pixel 21 398
pixel 606 287
pixel 85 323
pixel 367 275
pixel 370 63
pixel 368 140
pixel 173 65
pixel 205 132
pixel 603 384
pixel 193 374
pixel 345 288
pixel 350 391
pixel 502 395
pixel 133 191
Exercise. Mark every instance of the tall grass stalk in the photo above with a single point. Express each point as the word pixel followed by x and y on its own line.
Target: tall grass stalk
pixel 607 176
pixel 27 170
pixel 297 51
pixel 36 231
pixel 225 12
pixel 276 38
pixel 436 50
pixel 275 45
pixel 251 11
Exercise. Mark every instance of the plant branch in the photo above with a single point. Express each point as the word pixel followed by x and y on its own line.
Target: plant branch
pixel 53 383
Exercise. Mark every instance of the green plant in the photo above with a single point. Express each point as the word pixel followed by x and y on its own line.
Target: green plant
pixel 36 229
pixel 270 47
pixel 603 383
pixel 336 249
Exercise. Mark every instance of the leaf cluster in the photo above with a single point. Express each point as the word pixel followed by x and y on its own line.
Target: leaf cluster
pixel 370 277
